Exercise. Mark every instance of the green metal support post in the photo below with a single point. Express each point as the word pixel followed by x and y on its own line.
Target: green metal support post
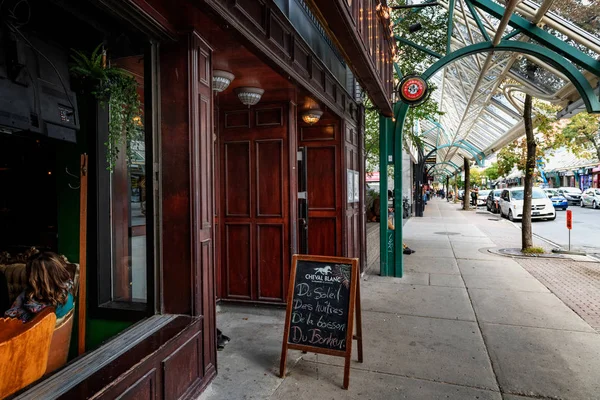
pixel 398 211
pixel 384 126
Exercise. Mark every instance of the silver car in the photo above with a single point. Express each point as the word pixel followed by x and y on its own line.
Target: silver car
pixel 591 197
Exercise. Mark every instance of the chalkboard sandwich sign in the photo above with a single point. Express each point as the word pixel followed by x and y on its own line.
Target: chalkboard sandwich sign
pixel 323 297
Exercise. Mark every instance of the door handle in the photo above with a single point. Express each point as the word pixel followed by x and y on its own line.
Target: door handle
pixel 303 222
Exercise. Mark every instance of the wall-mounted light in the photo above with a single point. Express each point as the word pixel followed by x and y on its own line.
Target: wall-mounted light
pixel 221 80
pixel 311 117
pixel 249 95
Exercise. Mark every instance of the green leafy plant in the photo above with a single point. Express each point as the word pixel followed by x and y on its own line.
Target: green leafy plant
pixel 117 88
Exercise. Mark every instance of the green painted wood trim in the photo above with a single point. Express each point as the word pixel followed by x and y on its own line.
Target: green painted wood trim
pixel 418 47
pixel 451 7
pixel 383 188
pixel 542 37
pixel 584 88
pixel 478 21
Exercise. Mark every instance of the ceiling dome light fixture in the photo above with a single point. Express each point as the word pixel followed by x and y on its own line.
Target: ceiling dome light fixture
pixel 221 80
pixel 311 117
pixel 249 95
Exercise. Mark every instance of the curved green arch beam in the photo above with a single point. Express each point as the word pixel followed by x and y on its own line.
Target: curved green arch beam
pixel 392 260
pixel 584 88
pixel 456 169
pixel 477 156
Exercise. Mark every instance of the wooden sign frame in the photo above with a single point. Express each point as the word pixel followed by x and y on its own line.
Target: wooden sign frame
pixel 353 306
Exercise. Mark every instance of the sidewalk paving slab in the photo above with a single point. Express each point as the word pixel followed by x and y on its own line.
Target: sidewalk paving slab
pixel 425 301
pixel 449 280
pixel 432 265
pixel 545 362
pixel 500 267
pixel 440 350
pixel 325 382
pixel 408 278
pixel 543 310
pixel 504 282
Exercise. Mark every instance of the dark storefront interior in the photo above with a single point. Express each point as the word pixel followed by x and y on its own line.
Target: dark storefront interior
pixel 208 198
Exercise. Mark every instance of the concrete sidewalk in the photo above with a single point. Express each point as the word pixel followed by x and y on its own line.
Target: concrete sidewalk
pixel 461 324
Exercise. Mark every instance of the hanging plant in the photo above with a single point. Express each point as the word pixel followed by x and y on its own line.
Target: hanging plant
pixel 117 88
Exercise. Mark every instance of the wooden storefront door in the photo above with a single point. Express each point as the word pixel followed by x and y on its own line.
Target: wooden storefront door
pixel 255 206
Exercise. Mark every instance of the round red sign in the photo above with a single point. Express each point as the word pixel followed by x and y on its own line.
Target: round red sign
pixel 413 89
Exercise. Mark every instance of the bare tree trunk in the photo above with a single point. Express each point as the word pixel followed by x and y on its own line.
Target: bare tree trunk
pixel 467 195
pixel 526 233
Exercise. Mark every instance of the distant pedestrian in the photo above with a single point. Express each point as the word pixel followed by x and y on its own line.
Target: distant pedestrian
pixel 474 197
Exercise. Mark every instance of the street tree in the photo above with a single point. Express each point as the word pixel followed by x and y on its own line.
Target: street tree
pixel 409 61
pixel 531 146
pixel 371 137
pixel 491 172
pixel 583 132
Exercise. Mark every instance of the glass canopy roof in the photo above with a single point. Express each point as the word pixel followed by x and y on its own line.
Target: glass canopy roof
pixel 481 95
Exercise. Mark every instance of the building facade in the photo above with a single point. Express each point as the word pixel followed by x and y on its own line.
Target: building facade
pixel 214 191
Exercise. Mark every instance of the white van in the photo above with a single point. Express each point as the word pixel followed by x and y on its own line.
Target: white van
pixel 511 204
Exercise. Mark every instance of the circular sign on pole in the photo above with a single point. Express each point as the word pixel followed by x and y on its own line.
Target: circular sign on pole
pixel 413 90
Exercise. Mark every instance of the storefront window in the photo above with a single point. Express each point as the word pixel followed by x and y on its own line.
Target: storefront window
pixel 124 204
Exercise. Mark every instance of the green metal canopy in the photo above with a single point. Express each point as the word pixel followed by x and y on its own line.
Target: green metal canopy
pixel 492 48
pixel 481 78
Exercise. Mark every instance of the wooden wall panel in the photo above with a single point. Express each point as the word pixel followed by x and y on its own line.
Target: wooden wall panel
pixel 237 119
pixel 322 171
pixel 269 117
pixel 352 161
pixel 269 178
pixel 175 174
pixel 237 179
pixel 143 389
pixel 318 132
pixel 270 261
pixel 238 263
pixel 202 194
pixel 182 369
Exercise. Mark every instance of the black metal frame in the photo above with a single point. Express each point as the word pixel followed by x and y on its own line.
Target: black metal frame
pixel 100 301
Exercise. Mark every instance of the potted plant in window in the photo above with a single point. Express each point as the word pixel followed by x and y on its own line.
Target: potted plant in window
pixel 116 88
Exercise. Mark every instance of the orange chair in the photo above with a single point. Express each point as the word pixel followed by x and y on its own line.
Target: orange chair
pixel 24 349
pixel 59 349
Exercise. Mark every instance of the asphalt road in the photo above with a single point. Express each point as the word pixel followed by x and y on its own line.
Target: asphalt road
pixel 585 234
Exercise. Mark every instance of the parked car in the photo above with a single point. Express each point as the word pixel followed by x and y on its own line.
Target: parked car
pixel 558 200
pixel 591 197
pixel 493 201
pixel 482 197
pixel 511 204
pixel 461 194
pixel 572 194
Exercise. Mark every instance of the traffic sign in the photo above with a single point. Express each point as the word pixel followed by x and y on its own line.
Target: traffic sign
pixel 569 219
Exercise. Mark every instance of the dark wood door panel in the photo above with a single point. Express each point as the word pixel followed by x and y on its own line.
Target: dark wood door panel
pixel 256 200
pixel 269 178
pixel 271 262
pixel 322 171
pixel 238 262
pixel 322 236
pixel 237 169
